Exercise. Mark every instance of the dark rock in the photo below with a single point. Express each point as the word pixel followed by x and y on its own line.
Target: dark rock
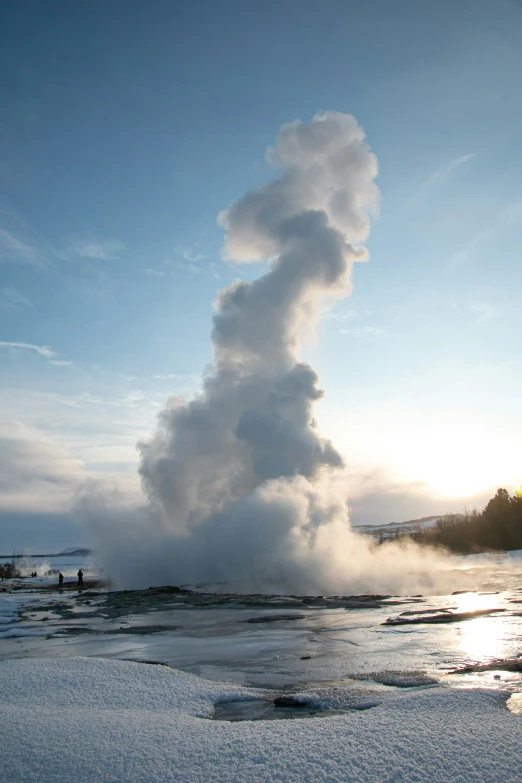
pixel 88 584
pixel 73 630
pixel 140 630
pixel 443 617
pixel 504 664
pixel 272 618
pixel 425 611
pixel 289 701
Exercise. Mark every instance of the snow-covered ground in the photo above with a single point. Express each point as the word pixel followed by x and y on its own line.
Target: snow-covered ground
pixel 88 720
pixel 79 700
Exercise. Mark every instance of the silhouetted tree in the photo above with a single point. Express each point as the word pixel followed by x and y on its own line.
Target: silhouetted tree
pixel 497 527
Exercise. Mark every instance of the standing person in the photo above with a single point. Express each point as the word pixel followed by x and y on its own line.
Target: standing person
pixel 2 573
pixel 80 578
pixel 60 579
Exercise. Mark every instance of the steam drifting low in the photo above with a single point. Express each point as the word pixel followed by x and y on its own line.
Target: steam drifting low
pixel 237 479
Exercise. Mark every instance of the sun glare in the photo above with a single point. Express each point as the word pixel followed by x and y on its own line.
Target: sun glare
pixel 455 457
pixel 482 638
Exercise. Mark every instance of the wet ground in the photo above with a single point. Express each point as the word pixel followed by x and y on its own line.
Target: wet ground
pixel 286 643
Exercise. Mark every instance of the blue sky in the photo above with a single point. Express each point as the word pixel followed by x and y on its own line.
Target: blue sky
pixel 127 127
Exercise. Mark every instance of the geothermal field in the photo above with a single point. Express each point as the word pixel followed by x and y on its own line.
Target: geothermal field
pixel 183 684
pixel 233 627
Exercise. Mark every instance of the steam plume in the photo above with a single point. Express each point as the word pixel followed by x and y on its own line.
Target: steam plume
pixel 237 478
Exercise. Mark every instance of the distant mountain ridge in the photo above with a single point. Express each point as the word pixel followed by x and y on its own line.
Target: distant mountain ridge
pixel 72 552
pixel 393 529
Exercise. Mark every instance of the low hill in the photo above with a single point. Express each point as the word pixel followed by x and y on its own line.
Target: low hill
pixel 394 529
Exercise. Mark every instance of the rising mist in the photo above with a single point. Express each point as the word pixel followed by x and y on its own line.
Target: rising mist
pixel 238 478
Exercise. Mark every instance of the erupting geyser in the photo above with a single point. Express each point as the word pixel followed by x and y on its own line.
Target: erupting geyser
pixel 237 478
pixel 253 424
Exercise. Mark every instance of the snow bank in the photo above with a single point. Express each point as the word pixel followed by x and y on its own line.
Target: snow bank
pixel 87 720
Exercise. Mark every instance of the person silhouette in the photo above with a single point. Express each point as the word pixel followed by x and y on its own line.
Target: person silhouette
pixel 60 579
pixel 80 578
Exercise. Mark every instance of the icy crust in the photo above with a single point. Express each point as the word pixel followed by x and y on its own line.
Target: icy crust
pixel 87 720
pixel 10 607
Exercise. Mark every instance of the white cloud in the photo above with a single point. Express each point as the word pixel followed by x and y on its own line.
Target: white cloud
pixel 97 250
pixel 364 331
pixel 440 173
pixel 13 249
pixel 508 217
pixel 98 430
pixel 35 471
pixel 190 265
pixel 133 398
pixel 154 272
pixel 189 255
pixel 348 315
pixel 42 350
pixel 190 377
pixel 12 299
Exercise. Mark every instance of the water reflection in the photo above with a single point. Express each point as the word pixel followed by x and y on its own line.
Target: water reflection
pixel 471 602
pixel 485 638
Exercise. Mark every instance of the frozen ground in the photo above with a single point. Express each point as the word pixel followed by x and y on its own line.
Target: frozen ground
pixel 305 639
pixel 95 720
pixel 383 700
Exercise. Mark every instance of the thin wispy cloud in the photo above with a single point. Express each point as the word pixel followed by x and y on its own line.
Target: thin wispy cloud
pixel 442 172
pixel 14 249
pixel 508 217
pixel 41 350
pixel 12 299
pixel 341 317
pixel 190 377
pixel 364 331
pixel 483 311
pixel 189 255
pixel 189 266
pixel 93 249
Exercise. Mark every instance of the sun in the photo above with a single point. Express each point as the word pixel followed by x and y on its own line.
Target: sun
pixel 457 457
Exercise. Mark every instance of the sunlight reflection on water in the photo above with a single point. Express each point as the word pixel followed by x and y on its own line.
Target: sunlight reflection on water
pixel 470 602
pixel 485 638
